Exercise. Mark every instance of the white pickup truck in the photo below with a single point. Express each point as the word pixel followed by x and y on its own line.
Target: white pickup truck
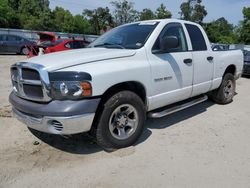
pixel 138 70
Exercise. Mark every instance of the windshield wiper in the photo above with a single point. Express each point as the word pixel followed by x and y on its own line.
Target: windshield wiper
pixel 106 44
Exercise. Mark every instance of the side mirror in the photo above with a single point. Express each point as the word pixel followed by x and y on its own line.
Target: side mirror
pixel 168 43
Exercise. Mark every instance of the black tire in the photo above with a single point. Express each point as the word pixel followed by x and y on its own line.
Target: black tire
pixel 24 51
pixel 107 120
pixel 225 93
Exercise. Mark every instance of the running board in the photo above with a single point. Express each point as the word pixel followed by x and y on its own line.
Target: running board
pixel 179 106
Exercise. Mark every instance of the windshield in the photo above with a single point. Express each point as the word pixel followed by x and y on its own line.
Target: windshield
pixel 132 36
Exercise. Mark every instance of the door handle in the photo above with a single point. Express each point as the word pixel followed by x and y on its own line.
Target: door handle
pixel 187 61
pixel 210 58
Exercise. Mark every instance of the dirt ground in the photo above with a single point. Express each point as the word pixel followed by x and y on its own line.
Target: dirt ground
pixel 203 146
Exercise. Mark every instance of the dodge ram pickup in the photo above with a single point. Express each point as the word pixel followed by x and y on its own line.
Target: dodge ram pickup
pixel 138 70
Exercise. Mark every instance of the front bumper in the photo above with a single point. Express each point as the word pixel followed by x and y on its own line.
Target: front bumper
pixel 56 125
pixel 56 117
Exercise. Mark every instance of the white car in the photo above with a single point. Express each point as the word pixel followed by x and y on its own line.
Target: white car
pixel 134 71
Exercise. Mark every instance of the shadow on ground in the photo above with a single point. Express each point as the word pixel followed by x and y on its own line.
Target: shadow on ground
pixel 246 76
pixel 85 144
pixel 75 144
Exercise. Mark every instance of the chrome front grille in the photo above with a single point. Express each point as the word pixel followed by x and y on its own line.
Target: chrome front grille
pixel 30 81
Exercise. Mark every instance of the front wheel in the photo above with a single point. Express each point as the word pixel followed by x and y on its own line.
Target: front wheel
pixel 225 93
pixel 121 121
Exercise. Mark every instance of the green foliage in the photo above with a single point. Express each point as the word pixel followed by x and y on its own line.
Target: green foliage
pixel 8 17
pixel 63 19
pixel 147 14
pixel 124 12
pixel 37 15
pixel 193 10
pixel 99 19
pixel 244 30
pixel 220 31
pixel 162 12
pixel 80 25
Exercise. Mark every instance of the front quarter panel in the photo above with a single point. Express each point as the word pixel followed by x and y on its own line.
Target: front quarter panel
pixel 108 73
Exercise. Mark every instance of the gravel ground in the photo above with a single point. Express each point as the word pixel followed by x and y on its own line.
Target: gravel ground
pixel 203 146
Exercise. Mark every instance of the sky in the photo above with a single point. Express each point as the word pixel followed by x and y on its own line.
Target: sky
pixel 230 9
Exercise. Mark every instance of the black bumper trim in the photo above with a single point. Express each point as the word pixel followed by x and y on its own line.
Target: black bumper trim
pixel 55 108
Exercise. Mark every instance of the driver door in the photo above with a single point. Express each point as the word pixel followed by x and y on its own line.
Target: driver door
pixel 172 72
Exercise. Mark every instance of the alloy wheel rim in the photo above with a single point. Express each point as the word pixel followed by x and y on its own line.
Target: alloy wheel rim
pixel 25 51
pixel 229 89
pixel 123 122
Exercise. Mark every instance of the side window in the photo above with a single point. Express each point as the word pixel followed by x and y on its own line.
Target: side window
pixel 12 38
pixel 173 29
pixel 197 38
pixel 3 38
pixel 69 45
pixel 78 44
pixel 19 38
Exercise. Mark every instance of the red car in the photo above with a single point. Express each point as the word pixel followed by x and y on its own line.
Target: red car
pixel 62 45
pixel 48 44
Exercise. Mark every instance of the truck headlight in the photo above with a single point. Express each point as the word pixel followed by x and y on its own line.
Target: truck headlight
pixel 72 89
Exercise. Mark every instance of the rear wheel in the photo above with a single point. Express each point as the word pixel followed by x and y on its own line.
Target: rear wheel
pixel 225 93
pixel 121 121
pixel 25 51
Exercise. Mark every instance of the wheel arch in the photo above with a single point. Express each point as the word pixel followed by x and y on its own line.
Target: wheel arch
pixel 133 86
pixel 22 47
pixel 230 69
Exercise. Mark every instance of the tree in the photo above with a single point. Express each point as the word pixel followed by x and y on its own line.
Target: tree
pixel 124 12
pixel 221 31
pixel 63 20
pixel 8 17
pixel 244 30
pixel 147 14
pixel 80 25
pixel 35 14
pixel 99 18
pixel 162 12
pixel 14 4
pixel 193 10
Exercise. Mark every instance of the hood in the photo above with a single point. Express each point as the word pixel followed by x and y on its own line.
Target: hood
pixel 59 60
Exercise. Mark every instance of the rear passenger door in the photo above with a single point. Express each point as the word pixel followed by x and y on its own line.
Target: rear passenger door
pixel 202 61
pixel 14 44
pixel 3 43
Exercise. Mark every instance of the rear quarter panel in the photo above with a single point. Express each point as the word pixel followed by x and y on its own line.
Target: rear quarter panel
pixel 222 60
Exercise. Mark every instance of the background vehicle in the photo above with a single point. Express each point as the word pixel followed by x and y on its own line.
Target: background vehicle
pixel 220 47
pixel 150 68
pixel 90 38
pixel 49 45
pixel 14 44
pixel 62 45
pixel 246 68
